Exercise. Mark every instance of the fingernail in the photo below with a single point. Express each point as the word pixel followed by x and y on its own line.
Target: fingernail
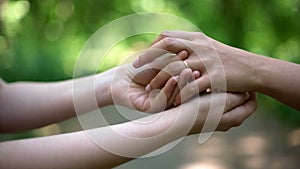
pixel 148 88
pixel 196 74
pixel 183 54
pixel 136 63
pixel 176 78
pixel 174 81
pixel 176 102
pixel 167 39
pixel 190 70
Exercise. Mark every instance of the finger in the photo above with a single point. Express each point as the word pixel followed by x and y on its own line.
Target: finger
pixel 191 89
pixel 149 55
pixel 178 34
pixel 143 76
pixel 172 69
pixel 171 95
pixel 198 37
pixel 160 100
pixel 159 38
pixel 160 63
pixel 176 90
pixel 185 76
pixel 170 86
pixel 196 74
pixel 251 96
pixel 236 116
pixel 146 73
pixel 166 45
pixel 235 99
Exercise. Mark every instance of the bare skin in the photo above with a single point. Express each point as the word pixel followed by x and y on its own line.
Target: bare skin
pixel 242 71
pixel 77 150
pixel 26 105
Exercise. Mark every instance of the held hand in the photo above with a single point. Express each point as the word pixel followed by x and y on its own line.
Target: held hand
pixel 236 109
pixel 237 115
pixel 217 63
pixel 128 86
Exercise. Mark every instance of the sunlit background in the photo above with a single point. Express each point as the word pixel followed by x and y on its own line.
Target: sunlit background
pixel 41 40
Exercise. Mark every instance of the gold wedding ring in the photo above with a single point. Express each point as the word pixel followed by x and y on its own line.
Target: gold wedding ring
pixel 185 64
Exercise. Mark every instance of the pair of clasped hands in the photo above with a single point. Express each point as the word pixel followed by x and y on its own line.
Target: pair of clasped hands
pixel 182 69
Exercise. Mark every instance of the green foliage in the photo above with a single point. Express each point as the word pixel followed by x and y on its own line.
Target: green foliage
pixel 41 40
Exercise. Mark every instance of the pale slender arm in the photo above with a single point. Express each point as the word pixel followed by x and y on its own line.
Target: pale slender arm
pixel 28 105
pixel 25 105
pixel 77 150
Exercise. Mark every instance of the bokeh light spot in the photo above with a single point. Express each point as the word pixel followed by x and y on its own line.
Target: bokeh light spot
pixel 53 30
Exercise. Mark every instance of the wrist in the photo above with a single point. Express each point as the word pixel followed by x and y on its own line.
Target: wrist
pixel 251 68
pixel 237 65
pixel 103 83
pixel 111 87
pixel 172 123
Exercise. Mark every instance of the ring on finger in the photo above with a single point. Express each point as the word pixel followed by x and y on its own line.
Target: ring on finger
pixel 185 64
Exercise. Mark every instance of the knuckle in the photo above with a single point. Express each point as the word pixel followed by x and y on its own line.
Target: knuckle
pixel 165 33
pixel 199 64
pixel 169 42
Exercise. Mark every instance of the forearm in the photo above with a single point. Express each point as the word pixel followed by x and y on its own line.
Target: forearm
pixel 25 105
pixel 110 146
pixel 280 80
pixel 77 150
pixel 276 78
pixel 73 150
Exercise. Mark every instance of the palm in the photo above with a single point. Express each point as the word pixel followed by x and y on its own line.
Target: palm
pixel 130 90
pixel 145 101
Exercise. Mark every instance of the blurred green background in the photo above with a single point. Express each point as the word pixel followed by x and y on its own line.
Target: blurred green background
pixel 41 40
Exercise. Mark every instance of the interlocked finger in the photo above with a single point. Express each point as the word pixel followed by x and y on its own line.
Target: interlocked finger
pixel 172 45
pixel 172 69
